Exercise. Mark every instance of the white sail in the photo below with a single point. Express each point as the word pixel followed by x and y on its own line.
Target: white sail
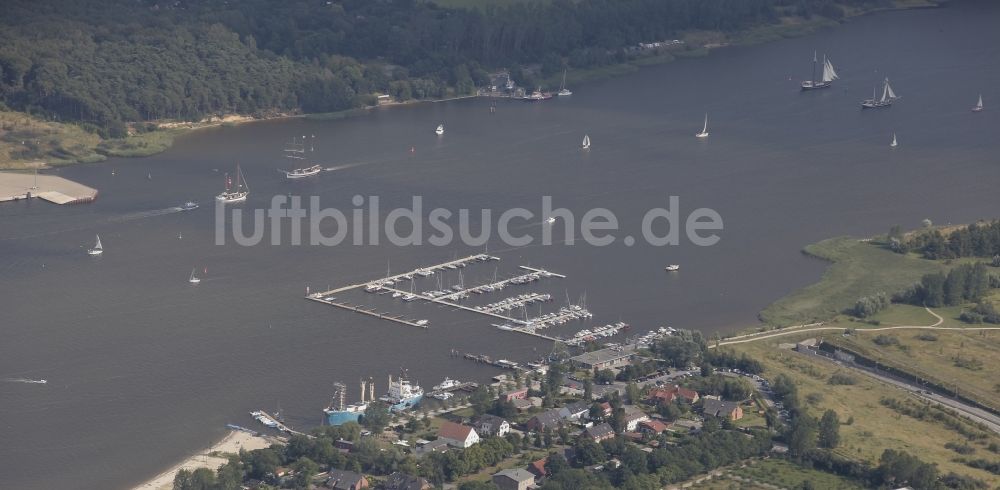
pixel 979 105
pixel 586 141
pixel 194 279
pixel 98 246
pixel 704 129
pixel 888 90
pixel 829 74
pixel 894 143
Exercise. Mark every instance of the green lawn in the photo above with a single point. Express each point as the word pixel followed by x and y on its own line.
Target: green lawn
pixel 788 475
pixel 857 269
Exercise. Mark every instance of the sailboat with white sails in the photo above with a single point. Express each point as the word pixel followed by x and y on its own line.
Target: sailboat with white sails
pixel 563 91
pixel 296 152
pixel 586 142
pixel 98 248
pixel 194 279
pixel 894 143
pixel 235 194
pixel 886 100
pixel 979 105
pixel 829 75
pixel 704 129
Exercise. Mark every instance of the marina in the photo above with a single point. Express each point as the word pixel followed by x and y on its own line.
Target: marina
pixel 15 186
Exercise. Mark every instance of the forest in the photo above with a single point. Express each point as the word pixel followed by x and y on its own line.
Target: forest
pixel 106 63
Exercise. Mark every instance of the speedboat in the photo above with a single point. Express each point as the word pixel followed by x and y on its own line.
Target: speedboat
pixel 440 129
pixel 550 220
pixel 300 173
pixel 189 206
pixel 672 267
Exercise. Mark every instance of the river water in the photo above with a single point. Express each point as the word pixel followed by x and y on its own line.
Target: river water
pixel 144 368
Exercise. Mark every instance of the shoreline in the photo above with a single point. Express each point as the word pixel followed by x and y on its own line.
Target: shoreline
pixel 697 44
pixel 211 457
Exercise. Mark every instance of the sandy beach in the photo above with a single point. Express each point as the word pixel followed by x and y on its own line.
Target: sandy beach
pixel 232 443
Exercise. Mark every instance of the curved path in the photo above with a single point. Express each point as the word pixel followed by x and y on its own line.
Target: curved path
pixel 811 328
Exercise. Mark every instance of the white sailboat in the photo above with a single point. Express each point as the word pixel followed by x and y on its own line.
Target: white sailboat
pixel 586 142
pixel 894 142
pixel 239 194
pixel 829 75
pixel 194 279
pixel 704 129
pixel 440 129
pixel 296 152
pixel 979 105
pixel 888 97
pixel 98 248
pixel 562 88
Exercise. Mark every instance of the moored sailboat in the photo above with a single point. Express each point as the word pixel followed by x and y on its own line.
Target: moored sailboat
pixel 829 75
pixel 563 91
pixel 237 194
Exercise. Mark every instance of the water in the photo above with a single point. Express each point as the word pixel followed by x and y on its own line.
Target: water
pixel 144 368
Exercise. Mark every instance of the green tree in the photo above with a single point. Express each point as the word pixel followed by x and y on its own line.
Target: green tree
pixel 829 430
pixel 802 435
pixel 376 417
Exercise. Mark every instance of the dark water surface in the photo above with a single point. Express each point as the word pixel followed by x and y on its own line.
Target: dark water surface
pixel 144 368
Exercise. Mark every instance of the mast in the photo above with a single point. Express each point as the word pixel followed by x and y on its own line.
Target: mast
pixel 813 78
pixel 705 128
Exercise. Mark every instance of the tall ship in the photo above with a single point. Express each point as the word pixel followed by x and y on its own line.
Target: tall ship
pixel 402 394
pixel 237 192
pixel 886 100
pixel 339 412
pixel 829 75
pixel 295 152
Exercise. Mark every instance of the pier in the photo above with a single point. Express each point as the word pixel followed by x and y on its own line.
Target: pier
pixel 15 186
pixel 370 312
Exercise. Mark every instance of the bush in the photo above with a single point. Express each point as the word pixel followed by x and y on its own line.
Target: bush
pixel 971 317
pixel 841 379
pixel 927 337
pixel 885 340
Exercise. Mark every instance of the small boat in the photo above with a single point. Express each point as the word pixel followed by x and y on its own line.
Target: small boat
pixel 586 142
pixel 448 383
pixel 442 396
pixel 537 96
pixel 672 267
pixel 550 220
pixel 299 173
pixel 194 279
pixel 189 206
pixel 894 142
pixel 440 129
pixel 829 75
pixel 421 323
pixel 886 100
pixel 979 105
pixel 237 194
pixel 704 129
pixel 98 248
pixel 563 91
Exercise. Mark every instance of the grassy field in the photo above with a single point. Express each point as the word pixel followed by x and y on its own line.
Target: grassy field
pixel 858 269
pixel 783 474
pixel 967 359
pixel 874 427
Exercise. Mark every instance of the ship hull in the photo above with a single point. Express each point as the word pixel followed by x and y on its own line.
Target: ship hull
pixel 341 418
pixel 807 85
pixel 405 404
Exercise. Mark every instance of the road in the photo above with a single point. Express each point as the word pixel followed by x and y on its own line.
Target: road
pixel 973 413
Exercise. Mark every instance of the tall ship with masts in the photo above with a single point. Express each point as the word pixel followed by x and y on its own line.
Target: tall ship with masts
pixel 828 76
pixel 295 153
pixel 339 412
pixel 886 100
pixel 235 192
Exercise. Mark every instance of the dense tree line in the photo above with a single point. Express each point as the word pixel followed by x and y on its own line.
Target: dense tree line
pixel 107 62
pixel 975 240
pixel 964 283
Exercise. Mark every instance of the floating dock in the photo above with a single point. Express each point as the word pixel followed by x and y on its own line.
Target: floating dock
pixel 370 312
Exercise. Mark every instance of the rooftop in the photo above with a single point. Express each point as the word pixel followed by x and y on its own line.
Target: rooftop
pixel 603 355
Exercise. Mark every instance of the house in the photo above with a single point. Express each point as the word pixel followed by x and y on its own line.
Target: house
pixel 522 405
pixel 575 410
pixel 612 357
pixel 600 432
pixel 457 435
pixel 491 425
pixel 516 479
pixel 719 408
pixel 652 427
pixel 549 419
pixel 668 395
pixel 403 481
pixel 511 395
pixel 344 445
pixel 632 418
pixel 538 468
pixel 345 480
pixel 606 409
